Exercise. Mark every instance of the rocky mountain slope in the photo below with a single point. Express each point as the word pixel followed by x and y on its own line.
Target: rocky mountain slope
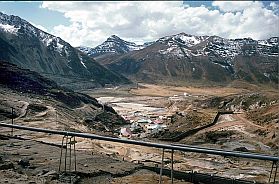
pixel 29 47
pixel 113 45
pixel 185 57
pixel 36 98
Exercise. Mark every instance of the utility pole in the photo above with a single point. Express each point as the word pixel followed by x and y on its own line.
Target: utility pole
pixel 12 133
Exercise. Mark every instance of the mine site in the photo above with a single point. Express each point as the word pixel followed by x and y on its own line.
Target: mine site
pixel 130 92
pixel 152 113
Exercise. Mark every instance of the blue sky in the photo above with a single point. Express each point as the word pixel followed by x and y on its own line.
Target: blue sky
pixel 31 11
pixel 90 23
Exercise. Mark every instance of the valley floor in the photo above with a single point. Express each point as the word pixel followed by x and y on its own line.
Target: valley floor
pixel 231 132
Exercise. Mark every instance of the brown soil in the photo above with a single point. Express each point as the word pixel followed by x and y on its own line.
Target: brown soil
pixel 145 179
pixel 44 163
pixel 161 90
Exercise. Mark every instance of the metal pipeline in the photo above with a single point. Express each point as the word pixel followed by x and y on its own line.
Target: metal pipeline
pixel 184 148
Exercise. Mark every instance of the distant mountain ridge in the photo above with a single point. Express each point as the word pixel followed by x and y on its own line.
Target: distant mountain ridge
pixel 29 47
pixel 114 45
pixel 203 58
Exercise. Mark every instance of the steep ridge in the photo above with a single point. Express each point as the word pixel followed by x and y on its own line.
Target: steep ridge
pixel 29 47
pixel 113 45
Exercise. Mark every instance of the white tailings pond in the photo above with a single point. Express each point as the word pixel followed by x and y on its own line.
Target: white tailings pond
pixel 123 106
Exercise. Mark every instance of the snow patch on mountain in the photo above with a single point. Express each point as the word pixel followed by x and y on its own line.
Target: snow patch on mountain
pixel 264 42
pixel 223 47
pixel 9 28
pixel 86 50
pixel 81 61
pixel 266 75
pixel 182 39
pixel 173 50
pixel 188 40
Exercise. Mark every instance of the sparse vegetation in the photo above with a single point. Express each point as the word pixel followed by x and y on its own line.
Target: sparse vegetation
pixel 264 116
pixel 213 137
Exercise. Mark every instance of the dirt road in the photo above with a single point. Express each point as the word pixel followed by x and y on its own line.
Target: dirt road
pixel 233 122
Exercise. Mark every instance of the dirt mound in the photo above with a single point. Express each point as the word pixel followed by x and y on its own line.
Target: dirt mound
pixel 213 137
pixel 33 109
pixel 189 122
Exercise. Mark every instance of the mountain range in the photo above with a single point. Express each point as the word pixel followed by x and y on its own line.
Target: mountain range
pixel 184 57
pixel 180 57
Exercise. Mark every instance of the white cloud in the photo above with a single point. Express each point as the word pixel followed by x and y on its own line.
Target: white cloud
pixel 93 22
pixel 231 6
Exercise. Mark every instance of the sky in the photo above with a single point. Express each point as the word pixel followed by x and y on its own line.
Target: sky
pixel 91 23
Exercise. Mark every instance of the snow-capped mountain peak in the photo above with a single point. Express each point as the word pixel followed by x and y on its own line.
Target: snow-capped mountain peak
pixel 183 39
pixel 113 44
pixel 20 27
